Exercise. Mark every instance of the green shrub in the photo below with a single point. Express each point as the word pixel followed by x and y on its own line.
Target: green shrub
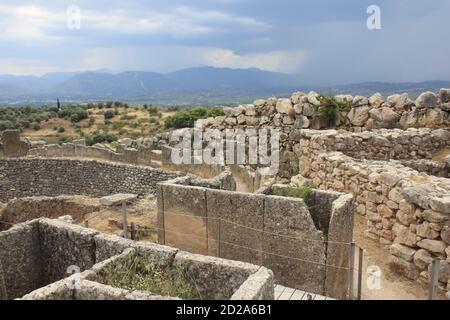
pixel 152 110
pixel 215 112
pixel 100 138
pixel 61 129
pixel 74 114
pixel 36 127
pixel 330 109
pixel 109 114
pixel 118 125
pixel 186 118
pixel 304 192
pixel 139 274
pixel 7 124
pixel 127 117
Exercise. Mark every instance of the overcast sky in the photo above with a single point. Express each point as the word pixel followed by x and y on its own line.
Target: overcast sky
pixel 325 41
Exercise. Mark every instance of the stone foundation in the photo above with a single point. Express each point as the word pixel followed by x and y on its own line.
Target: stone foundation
pixel 37 257
pixel 280 233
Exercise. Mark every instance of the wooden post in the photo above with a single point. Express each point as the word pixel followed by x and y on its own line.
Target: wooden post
pixel 133 231
pixel 124 219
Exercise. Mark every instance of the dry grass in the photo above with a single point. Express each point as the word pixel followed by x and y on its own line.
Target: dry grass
pixel 441 155
pixel 137 123
pixel 140 274
pixel 142 213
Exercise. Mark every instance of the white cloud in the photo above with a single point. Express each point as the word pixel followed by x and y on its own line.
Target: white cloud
pixel 26 23
pixel 278 61
pixel 171 58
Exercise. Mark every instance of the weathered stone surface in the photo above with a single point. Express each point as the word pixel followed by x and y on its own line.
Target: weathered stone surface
pixel 444 94
pixel 259 286
pixel 403 267
pixel 212 273
pixel 185 221
pixel 242 215
pixel 290 218
pixel 376 100
pixel 359 115
pixel 427 100
pixel 13 145
pixel 424 230
pixel 400 101
pixel 284 106
pixel 445 234
pixel 434 246
pixel 435 217
pixel 53 177
pixel 404 235
pixel 20 260
pixel 57 240
pixel 444 271
pixel 117 199
pixel 422 258
pixel 402 251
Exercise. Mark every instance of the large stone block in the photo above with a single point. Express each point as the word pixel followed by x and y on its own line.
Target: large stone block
pixel 236 220
pixel 21 261
pixel 185 219
pixel 293 248
pixel 403 268
pixel 13 146
pixel 340 234
pixel 64 245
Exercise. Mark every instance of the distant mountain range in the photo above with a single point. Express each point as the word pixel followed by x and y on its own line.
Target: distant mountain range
pixel 203 85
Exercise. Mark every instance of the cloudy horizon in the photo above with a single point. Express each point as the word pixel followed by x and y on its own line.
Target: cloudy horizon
pixel 324 42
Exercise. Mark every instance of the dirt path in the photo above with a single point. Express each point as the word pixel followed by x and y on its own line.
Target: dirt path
pixel 241 186
pixel 393 287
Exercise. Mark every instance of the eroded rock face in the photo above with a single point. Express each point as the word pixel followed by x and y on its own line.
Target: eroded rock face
pixel 427 100
pixel 358 116
pixel 284 106
pixel 444 95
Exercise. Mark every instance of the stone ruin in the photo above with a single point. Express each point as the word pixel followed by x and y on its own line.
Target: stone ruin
pixel 307 247
pixel 12 145
pixel 391 154
pixel 38 257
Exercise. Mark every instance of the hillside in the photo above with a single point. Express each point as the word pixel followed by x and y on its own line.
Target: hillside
pixel 202 85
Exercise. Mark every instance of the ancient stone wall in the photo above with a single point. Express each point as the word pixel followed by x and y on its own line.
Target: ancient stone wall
pixel 411 144
pixel 277 232
pixel 141 156
pixel 23 209
pixel 367 113
pixel 36 258
pixel 408 210
pixel 202 170
pixel 301 111
pixel 53 177
pixel 13 145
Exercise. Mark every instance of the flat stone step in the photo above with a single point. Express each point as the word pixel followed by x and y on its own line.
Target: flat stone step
pixel 117 199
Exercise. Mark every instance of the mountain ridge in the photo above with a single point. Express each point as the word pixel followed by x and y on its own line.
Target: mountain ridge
pixel 195 84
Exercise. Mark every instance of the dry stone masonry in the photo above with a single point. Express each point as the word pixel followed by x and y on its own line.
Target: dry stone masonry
pixel 280 233
pixel 36 258
pixel 27 177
